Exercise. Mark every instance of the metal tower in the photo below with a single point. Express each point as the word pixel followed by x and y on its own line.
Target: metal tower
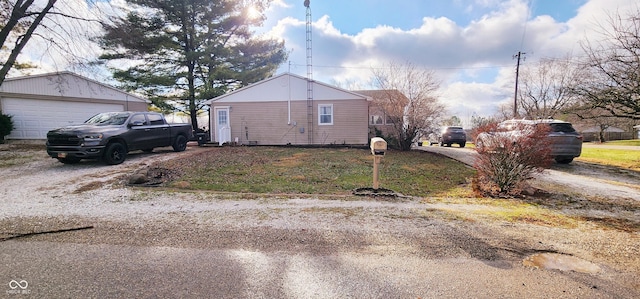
pixel 307 4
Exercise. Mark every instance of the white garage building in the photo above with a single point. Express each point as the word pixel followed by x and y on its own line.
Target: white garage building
pixel 40 103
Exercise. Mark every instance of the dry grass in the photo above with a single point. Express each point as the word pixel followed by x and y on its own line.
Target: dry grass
pixel 288 170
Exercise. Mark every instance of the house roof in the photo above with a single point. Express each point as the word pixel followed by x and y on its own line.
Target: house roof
pixel 285 87
pixel 65 84
pixel 383 94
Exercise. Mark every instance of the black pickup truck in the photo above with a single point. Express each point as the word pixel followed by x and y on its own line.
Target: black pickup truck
pixel 110 136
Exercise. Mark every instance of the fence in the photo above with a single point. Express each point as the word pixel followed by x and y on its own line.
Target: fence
pixel 608 136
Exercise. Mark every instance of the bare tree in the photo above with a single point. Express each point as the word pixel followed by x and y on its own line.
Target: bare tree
pixel 21 20
pixel 411 102
pixel 452 121
pixel 546 87
pixel 614 64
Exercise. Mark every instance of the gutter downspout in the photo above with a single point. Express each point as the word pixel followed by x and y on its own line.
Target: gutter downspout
pixel 289 101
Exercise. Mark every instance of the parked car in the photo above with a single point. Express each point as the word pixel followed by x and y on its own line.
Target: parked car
pixel 565 142
pixel 110 136
pixel 450 135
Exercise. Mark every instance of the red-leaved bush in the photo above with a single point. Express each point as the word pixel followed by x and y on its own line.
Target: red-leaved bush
pixel 508 157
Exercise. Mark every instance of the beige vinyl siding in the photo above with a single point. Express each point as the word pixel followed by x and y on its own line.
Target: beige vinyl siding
pixel 350 124
pixel 266 123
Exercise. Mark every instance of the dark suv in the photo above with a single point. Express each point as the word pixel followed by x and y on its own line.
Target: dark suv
pixel 450 135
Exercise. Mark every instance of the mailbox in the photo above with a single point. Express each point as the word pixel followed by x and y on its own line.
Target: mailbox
pixel 378 146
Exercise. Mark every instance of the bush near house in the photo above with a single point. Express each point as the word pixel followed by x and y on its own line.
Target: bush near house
pixel 6 126
pixel 510 159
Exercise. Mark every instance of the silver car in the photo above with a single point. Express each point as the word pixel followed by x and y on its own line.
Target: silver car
pixel 566 143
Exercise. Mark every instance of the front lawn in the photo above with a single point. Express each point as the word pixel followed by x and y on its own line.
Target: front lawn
pixel 625 159
pixel 320 171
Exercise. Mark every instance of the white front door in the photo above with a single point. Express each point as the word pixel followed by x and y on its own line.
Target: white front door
pixel 223 129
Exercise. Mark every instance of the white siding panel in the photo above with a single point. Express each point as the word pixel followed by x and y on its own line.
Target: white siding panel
pixel 284 88
pixel 34 118
pixel 66 85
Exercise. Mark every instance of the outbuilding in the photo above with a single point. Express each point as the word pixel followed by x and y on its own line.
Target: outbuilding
pixel 289 109
pixel 43 102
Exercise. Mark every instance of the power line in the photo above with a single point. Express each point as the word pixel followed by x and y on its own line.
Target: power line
pixel 526 22
pixel 379 68
pixel 578 59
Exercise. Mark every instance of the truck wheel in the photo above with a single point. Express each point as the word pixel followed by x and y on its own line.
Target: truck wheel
pixel 115 153
pixel 462 144
pixel 69 160
pixel 180 144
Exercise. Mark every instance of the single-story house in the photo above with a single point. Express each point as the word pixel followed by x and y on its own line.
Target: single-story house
pixel 384 108
pixel 278 111
pixel 43 102
pixel 594 133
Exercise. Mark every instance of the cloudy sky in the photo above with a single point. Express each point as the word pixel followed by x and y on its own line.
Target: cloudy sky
pixel 470 44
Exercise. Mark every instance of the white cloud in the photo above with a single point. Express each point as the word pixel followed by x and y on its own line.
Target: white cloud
pixel 458 53
pixel 474 59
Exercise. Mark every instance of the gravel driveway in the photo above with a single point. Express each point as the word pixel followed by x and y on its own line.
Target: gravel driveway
pixel 149 242
pixel 582 178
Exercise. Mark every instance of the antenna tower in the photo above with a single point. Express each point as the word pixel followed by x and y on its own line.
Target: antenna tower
pixel 307 4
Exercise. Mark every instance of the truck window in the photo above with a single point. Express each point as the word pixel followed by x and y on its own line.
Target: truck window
pixel 155 119
pixel 109 118
pixel 138 118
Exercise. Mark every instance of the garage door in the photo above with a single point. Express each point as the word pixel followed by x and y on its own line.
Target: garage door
pixel 34 118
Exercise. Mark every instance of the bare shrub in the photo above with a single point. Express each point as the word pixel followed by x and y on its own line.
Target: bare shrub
pixel 508 157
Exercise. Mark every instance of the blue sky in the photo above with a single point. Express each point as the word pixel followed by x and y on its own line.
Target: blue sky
pixel 469 44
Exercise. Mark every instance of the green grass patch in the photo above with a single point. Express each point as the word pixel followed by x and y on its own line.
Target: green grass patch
pixel 629 159
pixel 633 142
pixel 321 171
pixel 512 211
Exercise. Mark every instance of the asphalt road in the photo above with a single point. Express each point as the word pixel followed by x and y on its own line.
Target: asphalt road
pixel 463 267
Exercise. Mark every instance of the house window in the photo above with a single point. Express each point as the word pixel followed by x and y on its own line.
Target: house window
pixel 390 120
pixel 222 117
pixel 325 114
pixel 376 120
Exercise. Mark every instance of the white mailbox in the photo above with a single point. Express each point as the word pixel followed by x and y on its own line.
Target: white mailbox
pixel 378 146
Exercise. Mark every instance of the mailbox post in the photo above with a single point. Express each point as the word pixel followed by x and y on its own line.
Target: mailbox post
pixel 378 149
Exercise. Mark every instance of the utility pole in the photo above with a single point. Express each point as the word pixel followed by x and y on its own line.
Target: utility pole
pixel 515 97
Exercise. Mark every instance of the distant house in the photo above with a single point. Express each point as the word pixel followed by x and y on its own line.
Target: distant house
pixel 40 103
pixel 277 111
pixel 596 133
pixel 597 129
